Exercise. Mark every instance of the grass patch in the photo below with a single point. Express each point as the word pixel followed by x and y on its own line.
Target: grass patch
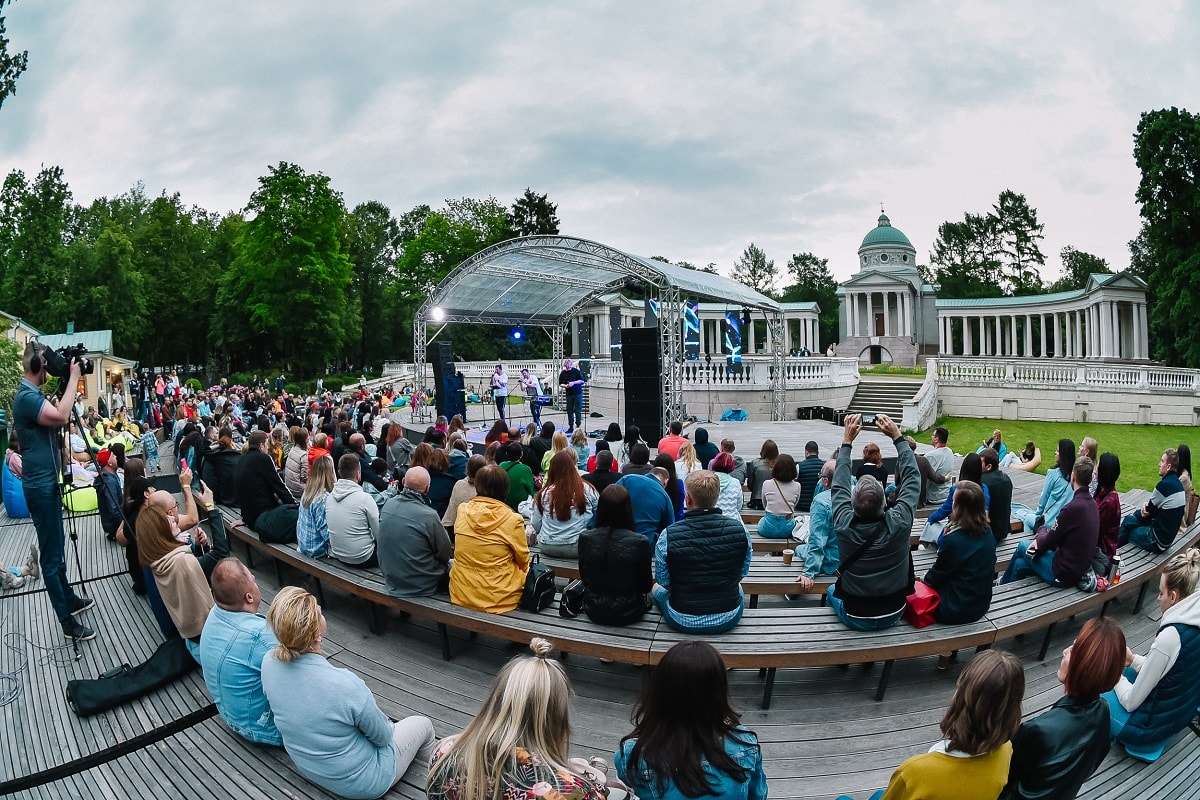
pixel 888 369
pixel 1138 446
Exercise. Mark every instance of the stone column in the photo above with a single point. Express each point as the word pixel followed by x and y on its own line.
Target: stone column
pixel 1115 335
pixel 998 343
pixel 870 313
pixel 1012 335
pixel 968 344
pixel 887 313
pixel 1028 335
pixel 1042 331
pixel 1140 332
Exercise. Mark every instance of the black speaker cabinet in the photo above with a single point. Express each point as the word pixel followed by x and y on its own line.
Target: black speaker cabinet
pixel 643 382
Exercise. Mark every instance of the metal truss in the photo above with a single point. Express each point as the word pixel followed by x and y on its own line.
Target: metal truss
pixel 670 348
pixel 776 325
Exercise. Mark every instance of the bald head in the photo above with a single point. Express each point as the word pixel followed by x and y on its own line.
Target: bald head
pixel 164 500
pixel 417 479
pixel 234 587
pixel 358 442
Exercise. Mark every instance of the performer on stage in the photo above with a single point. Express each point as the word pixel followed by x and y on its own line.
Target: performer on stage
pixel 499 384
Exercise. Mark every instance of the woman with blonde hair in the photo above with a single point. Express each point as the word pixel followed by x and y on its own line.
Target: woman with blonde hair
pixel 687 463
pixel 344 743
pixel 520 738
pixel 312 530
pixel 275 442
pixel 1158 694
pixel 319 446
pixel 579 441
pixel 562 508
pixel 557 444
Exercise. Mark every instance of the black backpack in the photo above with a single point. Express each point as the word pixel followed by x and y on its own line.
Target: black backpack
pixel 539 586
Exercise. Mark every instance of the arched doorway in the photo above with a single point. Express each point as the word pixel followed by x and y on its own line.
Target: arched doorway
pixel 875 354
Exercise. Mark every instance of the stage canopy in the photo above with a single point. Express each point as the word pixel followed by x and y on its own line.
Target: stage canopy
pixel 547 280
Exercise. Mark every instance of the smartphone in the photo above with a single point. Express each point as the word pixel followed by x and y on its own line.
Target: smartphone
pixel 182 464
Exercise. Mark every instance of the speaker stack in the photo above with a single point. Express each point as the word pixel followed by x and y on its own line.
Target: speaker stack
pixel 643 381
pixel 449 396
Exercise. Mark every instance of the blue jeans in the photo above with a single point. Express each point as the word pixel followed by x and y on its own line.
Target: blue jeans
pixel 688 623
pixel 776 526
pixel 1022 565
pixel 1132 530
pixel 1117 715
pixel 45 509
pixel 1026 514
pixel 860 623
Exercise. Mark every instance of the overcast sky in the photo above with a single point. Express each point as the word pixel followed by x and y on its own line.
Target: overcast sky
pixel 686 130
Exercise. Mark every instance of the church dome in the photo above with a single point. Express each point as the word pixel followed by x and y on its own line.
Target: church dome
pixel 885 234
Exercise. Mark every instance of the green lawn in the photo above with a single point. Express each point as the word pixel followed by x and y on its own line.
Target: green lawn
pixel 1138 446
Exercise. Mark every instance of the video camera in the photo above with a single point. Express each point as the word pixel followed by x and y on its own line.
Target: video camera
pixel 58 362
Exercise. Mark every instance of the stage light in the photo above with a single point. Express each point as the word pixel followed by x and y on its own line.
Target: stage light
pixel 437 314
pixel 517 335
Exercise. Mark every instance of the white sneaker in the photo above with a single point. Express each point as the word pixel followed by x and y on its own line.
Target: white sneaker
pixel 34 562
pixel 10 581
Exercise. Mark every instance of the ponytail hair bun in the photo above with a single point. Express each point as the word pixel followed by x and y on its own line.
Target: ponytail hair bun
pixel 540 647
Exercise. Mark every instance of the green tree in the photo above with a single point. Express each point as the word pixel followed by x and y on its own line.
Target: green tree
pixel 11 64
pixel 1167 152
pixel 1019 233
pixel 814 283
pixel 533 214
pixel 34 268
pixel 373 244
pixel 290 272
pixel 10 371
pixel 1077 265
pixel 754 270
pixel 965 260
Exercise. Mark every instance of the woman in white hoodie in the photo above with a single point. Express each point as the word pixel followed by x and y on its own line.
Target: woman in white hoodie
pixel 1159 693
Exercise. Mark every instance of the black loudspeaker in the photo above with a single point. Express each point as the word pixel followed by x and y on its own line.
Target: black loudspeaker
pixel 614 334
pixel 448 396
pixel 585 340
pixel 643 382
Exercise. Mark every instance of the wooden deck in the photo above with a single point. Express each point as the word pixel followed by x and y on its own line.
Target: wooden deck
pixel 823 735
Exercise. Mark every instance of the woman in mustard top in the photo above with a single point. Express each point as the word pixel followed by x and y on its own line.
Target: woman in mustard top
pixel 971 763
pixel 491 554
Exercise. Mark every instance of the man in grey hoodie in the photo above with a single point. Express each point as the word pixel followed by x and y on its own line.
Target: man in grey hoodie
pixel 352 517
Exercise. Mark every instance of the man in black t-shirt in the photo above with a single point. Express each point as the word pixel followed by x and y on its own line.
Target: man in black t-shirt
pixel 570 380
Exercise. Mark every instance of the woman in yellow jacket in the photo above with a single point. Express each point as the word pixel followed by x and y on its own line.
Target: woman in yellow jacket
pixel 491 554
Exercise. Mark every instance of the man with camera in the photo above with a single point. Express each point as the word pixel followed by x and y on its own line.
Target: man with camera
pixel 37 420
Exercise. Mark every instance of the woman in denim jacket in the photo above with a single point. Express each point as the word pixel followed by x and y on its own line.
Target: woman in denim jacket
pixel 686 740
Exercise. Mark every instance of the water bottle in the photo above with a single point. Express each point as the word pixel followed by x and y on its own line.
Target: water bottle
pixel 1114 571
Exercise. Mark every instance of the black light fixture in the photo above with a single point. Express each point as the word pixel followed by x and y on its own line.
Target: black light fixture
pixel 745 316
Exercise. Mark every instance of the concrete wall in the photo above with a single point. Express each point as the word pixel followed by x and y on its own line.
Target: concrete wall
pixel 610 401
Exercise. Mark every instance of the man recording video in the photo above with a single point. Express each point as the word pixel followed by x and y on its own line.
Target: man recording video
pixel 37 420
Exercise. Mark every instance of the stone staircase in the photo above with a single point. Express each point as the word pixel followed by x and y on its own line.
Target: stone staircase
pixel 883 397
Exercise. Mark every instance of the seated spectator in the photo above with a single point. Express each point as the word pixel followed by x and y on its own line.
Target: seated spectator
pixel 1155 526
pixel 497 433
pixel 1056 490
pixel 652 509
pixel 603 473
pixel 379 467
pixel 31 570
pixel 687 463
pixel 441 480
pixel 1108 506
pixel 601 447
pixel 872 464
pixel 540 445
pixel 178 568
pixel 614 563
pixel 966 562
pixel 343 743
pixel 108 493
pixel 739 464
pixel 1061 554
pixel 699 563
pixel 295 465
pixel 674 439
pixel 1054 753
pixel 971 469
pixel 633 436
pixel 563 507
pixel 808 472
pixel 233 644
pixel 925 470
pixel 1158 694
pixel 639 461
pixel 941 459
pixel 520 477
pixel 731 498
pixel 358 446
pixel 999 490
pixel 820 553
pixel 1091 448
pixel 459 453
pixel 463 491
pixel 518 745
pixel 559 443
pixel 491 554
pixel 1026 460
pixel 687 740
pixel 579 442
pixel 312 525
pixel 414 549
pixel 780 496
pixel 672 483
pixel 352 517
pixel 318 447
pixel 398 450
pixel 1184 470
pixel 760 471
pixel 995 443
pixel 706 451
pixel 267 506
pixel 873 541
pixel 972 761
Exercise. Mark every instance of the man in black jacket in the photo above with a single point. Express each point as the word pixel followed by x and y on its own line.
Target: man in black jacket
pixel 876 564
pixel 267 506
pixel 605 475
pixel 808 472
pixel 699 562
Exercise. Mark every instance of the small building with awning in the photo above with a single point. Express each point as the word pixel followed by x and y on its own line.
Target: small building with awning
pixel 110 370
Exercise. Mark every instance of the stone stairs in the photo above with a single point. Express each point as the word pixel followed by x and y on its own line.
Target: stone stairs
pixel 883 397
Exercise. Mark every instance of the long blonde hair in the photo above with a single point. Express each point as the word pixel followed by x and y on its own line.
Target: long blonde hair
pixel 528 707
pixel 320 480
pixel 687 457
pixel 295 619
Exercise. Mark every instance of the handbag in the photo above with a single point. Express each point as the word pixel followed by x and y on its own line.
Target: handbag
pixel 919 607
pixel 570 603
pixel 539 586
pixel 125 683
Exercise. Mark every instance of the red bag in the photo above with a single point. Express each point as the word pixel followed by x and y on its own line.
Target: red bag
pixel 921 604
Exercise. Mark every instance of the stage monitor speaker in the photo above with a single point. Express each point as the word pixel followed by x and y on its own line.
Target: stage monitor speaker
pixel 447 397
pixel 643 382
